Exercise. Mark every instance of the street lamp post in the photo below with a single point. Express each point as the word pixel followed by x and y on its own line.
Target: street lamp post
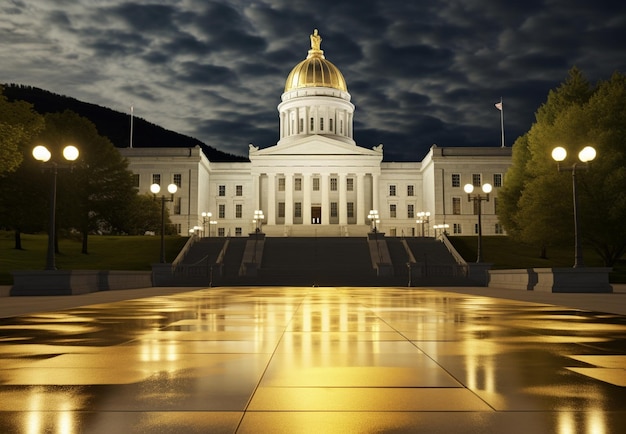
pixel 423 219
pixel 478 199
pixel 41 153
pixel 155 189
pixel 258 220
pixel 587 154
pixel 374 219
pixel 206 217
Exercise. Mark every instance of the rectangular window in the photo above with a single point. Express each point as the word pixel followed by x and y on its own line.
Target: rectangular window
pixel 316 184
pixel 297 184
pixel 456 180
pixel 410 211
pixel 497 180
pixel 221 211
pixel 301 125
pixel 239 190
pixel 281 184
pixel 350 209
pixel 392 190
pixel 410 190
pixel 221 232
pixel 136 180
pixel 321 124
pixel 177 205
pixel 238 211
pixel 156 178
pixel 456 205
pixel 333 184
pixel 350 184
pixel 238 232
pixel 475 228
pixel 178 180
pixel 333 209
pixel 330 124
pixel 281 209
pixel 476 179
pixel 297 209
pixel 392 210
pixel 221 190
pixel 498 229
pixel 312 124
pixel 456 228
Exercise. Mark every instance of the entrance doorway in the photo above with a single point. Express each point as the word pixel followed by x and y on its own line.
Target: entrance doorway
pixel 316 215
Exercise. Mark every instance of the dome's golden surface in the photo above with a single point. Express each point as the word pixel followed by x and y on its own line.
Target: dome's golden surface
pixel 315 70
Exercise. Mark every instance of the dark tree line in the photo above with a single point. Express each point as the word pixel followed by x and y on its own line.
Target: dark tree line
pixel 94 194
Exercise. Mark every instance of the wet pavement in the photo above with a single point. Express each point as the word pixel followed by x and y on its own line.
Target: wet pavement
pixel 320 360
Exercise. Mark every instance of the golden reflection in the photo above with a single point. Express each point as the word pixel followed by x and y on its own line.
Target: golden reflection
pixel 566 423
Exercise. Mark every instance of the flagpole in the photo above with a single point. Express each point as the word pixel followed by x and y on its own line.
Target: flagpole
pixel 131 125
pixel 502 120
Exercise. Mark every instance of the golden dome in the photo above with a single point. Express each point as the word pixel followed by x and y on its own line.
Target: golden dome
pixel 315 70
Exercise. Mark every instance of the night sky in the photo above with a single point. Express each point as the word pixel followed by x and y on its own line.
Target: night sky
pixel 419 72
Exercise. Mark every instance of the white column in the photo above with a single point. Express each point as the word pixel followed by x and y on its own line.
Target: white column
pixel 288 198
pixel 325 202
pixel 256 188
pixel 306 205
pixel 375 191
pixel 343 201
pixel 270 216
pixel 360 203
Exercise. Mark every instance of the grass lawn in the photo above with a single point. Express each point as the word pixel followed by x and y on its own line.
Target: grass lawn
pixel 139 252
pixel 105 253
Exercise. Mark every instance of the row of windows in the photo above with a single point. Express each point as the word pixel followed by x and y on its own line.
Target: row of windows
pixel 334 184
pixel 456 205
pixel 177 179
pixel 297 209
pixel 321 124
pixel 410 190
pixel 477 180
pixel 457 228
pixel 221 190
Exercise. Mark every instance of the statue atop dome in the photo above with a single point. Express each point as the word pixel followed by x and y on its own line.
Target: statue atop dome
pixel 316 40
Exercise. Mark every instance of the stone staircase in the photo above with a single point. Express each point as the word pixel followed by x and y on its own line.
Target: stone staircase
pixel 321 261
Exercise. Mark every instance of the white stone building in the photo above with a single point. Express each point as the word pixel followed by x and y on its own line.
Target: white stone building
pixel 316 181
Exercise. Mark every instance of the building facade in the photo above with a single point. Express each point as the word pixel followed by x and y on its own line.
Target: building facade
pixel 316 181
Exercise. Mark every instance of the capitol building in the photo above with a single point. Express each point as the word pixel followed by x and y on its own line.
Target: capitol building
pixel 316 181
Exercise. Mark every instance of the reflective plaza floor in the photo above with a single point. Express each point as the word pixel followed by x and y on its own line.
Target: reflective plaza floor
pixel 319 360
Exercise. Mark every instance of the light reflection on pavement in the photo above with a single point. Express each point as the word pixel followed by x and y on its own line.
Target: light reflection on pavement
pixel 320 360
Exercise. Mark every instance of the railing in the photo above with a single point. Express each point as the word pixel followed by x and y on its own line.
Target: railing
pixel 457 257
pixel 183 252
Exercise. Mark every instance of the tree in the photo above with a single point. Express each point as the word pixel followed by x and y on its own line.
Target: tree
pixel 143 215
pixel 536 201
pixel 18 125
pixel 19 189
pixel 99 186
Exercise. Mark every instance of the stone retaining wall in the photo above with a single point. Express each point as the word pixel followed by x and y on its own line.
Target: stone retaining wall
pixel 69 282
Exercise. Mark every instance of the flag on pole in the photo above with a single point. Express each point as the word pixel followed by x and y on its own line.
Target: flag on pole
pixel 500 107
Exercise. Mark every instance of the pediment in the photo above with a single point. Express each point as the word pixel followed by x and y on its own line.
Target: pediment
pixel 315 145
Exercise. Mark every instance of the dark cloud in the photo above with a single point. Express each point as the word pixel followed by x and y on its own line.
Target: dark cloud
pixel 419 72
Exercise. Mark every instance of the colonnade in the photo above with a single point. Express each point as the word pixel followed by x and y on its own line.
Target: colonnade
pixel 364 194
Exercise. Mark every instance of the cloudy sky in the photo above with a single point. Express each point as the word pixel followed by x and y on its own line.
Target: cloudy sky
pixel 419 72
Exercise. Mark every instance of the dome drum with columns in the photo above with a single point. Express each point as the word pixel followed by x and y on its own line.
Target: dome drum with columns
pixel 316 181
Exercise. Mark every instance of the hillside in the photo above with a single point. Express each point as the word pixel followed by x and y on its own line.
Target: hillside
pixel 112 124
